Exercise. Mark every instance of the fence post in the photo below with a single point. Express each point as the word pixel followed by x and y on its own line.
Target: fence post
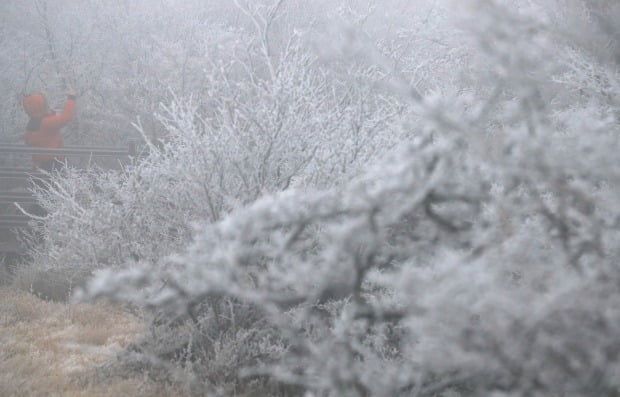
pixel 133 145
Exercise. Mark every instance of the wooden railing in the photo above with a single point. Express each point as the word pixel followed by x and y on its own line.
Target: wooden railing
pixel 70 150
pixel 19 173
pixel 10 217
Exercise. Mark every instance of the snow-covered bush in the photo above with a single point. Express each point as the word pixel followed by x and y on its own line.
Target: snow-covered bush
pixel 479 257
pixel 270 117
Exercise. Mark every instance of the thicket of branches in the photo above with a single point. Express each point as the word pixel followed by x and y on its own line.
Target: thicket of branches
pixel 403 212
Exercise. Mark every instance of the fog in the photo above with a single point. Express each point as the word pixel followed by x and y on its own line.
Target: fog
pixel 335 198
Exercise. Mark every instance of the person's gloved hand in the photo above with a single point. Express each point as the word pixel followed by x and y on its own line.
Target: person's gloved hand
pixel 71 93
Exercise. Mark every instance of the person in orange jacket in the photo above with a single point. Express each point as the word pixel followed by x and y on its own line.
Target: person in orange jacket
pixel 44 128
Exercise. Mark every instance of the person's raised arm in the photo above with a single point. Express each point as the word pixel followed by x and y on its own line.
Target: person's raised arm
pixel 68 112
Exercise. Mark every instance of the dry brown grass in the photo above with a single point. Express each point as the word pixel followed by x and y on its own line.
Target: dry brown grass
pixel 53 349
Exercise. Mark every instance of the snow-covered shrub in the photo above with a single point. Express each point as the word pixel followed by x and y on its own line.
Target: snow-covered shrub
pixel 479 257
pixel 270 117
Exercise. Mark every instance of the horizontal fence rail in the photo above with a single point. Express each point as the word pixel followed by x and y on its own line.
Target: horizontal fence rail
pixel 17 197
pixel 11 221
pixel 19 173
pixel 68 151
pixel 14 221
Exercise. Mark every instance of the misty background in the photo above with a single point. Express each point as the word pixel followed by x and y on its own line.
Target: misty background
pixel 337 198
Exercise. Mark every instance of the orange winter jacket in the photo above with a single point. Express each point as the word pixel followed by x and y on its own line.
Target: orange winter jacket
pixel 44 128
